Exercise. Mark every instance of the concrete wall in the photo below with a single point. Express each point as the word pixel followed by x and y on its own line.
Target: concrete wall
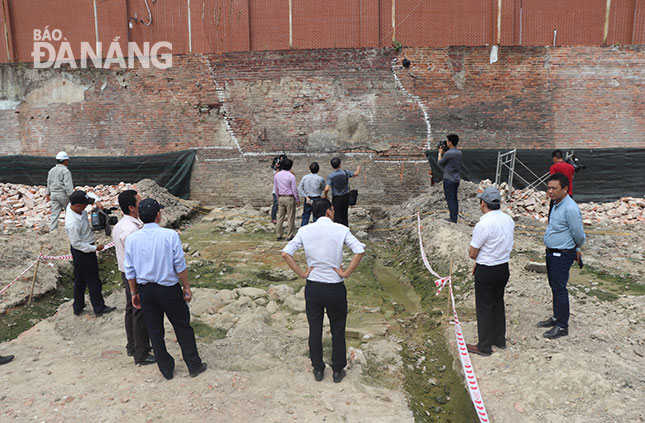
pixel 238 109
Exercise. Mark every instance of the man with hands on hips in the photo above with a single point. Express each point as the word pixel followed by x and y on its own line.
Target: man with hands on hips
pixel 323 243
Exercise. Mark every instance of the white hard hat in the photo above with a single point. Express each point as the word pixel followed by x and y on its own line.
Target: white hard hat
pixel 62 156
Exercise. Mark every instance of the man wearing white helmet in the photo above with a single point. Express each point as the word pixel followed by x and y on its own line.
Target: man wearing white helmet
pixel 59 187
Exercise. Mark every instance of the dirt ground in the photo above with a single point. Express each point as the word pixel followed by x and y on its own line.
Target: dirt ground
pixel 248 314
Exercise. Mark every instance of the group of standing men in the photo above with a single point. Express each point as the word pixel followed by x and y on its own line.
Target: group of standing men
pixel 312 187
pixel 491 245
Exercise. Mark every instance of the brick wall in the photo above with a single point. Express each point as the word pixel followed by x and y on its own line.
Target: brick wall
pixel 238 109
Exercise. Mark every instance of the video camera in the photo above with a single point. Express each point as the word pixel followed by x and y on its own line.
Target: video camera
pixel 575 162
pixel 277 160
pixel 443 145
pixel 102 219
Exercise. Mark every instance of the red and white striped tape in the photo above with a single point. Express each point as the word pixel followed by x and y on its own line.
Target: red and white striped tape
pixel 69 256
pixel 43 257
pixel 18 277
pixel 469 371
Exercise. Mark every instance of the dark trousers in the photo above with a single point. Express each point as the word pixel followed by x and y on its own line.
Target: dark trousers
pixel 450 192
pixel 341 207
pixel 557 270
pixel 490 282
pixel 135 327
pixel 306 211
pixel 274 208
pixel 86 274
pixel 157 300
pixel 333 298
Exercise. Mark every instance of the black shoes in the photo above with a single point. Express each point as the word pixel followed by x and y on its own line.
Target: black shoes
pixel 105 310
pixel 148 359
pixel 5 359
pixel 555 332
pixel 501 347
pixel 199 371
pixel 472 348
pixel 319 374
pixel 338 376
pixel 550 322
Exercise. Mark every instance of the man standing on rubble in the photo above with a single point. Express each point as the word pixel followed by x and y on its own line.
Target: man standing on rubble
pixel 563 238
pixel 560 166
pixel 138 345
pixel 491 249
pixel 59 187
pixel 338 183
pixel 86 267
pixel 450 161
pixel 284 183
pixel 323 243
pixel 155 265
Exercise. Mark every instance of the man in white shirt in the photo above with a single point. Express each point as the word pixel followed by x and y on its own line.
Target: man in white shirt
pixel 154 264
pixel 86 267
pixel 491 249
pixel 138 345
pixel 325 289
pixel 59 187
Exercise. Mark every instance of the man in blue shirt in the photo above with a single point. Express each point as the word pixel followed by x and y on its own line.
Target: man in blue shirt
pixel 450 162
pixel 563 238
pixel 154 265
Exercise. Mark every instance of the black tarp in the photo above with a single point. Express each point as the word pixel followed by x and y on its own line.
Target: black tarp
pixel 169 170
pixel 608 175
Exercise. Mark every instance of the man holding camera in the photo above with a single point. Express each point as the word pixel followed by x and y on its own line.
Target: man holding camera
pixel 138 345
pixel 491 249
pixel 449 159
pixel 563 238
pixel 59 187
pixel 86 266
pixel 560 166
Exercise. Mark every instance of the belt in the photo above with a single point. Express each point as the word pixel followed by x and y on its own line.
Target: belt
pixel 557 250
pixel 324 283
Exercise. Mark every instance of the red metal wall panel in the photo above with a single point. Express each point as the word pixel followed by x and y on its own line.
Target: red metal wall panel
pixel 4 23
pixel 169 23
pixel 326 24
pixel 621 14
pixel 638 31
pixel 112 20
pixel 75 20
pixel 385 23
pixel 269 25
pixel 219 26
pixel 577 22
pixel 441 23
pixel 368 23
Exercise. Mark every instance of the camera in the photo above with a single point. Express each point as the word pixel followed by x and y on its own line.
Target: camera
pixel 575 162
pixel 102 219
pixel 277 160
pixel 443 145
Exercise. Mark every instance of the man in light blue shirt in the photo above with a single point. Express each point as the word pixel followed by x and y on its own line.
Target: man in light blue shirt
pixel 310 189
pixel 154 265
pixel 563 238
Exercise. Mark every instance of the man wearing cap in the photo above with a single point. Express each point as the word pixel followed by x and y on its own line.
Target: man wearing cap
pixel 138 345
pixel 154 265
pixel 86 267
pixel 59 187
pixel 491 247
pixel 325 290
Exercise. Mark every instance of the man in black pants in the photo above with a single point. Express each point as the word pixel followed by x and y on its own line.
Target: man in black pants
pixel 338 183
pixel 491 249
pixel 154 265
pixel 86 267
pixel 450 161
pixel 323 243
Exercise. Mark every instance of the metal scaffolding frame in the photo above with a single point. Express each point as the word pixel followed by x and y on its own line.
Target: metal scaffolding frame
pixel 507 161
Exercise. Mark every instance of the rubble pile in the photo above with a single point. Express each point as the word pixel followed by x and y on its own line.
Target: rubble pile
pixel 535 205
pixel 25 206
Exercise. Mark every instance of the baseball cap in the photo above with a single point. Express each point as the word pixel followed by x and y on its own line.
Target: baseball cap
pixel 490 195
pixel 62 156
pixel 80 197
pixel 148 209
